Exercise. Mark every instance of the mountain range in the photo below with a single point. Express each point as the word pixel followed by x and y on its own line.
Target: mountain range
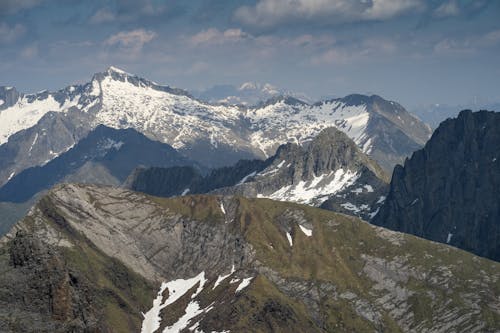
pixel 35 128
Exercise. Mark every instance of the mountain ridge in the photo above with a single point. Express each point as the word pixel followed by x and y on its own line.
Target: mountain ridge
pixel 233 264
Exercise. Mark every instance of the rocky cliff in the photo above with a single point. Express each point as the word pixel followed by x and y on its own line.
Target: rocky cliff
pixel 450 190
pixel 100 259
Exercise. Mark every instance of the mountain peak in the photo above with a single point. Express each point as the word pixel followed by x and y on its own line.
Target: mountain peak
pixel 113 69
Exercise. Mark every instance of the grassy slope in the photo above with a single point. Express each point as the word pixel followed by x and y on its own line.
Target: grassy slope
pixel 334 255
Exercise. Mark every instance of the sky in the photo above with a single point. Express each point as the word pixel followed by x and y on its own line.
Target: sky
pixel 415 52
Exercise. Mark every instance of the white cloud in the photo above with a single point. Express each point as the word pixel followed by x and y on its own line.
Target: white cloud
pixel 103 15
pixel 267 13
pixel 13 6
pixel 454 47
pixel 132 40
pixel 447 9
pixel 9 34
pixel 491 38
pixel 370 48
pixel 214 36
pixel 331 56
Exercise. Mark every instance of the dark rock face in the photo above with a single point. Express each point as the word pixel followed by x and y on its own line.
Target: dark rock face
pixel 167 182
pixel 48 296
pixel 450 191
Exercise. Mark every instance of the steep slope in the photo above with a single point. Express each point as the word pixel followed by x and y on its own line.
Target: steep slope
pixel 330 171
pixel 230 264
pixel 449 191
pixel 215 135
pixel 104 156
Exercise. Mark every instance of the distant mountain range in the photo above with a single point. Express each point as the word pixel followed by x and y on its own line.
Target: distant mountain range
pixel 35 128
pixel 434 114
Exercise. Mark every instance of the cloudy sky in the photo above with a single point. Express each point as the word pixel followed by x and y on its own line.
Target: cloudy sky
pixel 412 51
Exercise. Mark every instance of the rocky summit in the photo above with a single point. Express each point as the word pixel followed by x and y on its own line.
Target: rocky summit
pixel 449 191
pixel 101 259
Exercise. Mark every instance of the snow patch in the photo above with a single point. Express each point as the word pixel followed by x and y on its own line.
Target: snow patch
pixel 222 208
pixel 317 189
pixel 307 232
pixel 176 289
pixel 10 176
pixel 368 188
pixel 223 277
pixel 274 170
pixel 186 191
pixel 192 310
pixel 244 284
pixel 351 207
pixel 448 239
pixel 289 237
pixel 244 179
pixel 34 142
pixel 372 214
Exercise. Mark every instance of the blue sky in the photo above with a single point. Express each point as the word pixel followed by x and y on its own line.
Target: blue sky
pixel 413 51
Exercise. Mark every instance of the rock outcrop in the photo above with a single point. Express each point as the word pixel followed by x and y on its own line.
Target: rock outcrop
pixel 449 191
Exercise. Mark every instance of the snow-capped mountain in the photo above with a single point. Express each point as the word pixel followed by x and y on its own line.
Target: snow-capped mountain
pixel 214 135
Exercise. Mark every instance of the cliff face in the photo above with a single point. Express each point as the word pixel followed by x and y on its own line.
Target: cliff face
pixel 102 259
pixel 450 190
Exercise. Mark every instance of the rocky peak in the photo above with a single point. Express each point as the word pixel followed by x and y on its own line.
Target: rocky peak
pixel 116 74
pixel 448 191
pixel 8 97
pixel 286 99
